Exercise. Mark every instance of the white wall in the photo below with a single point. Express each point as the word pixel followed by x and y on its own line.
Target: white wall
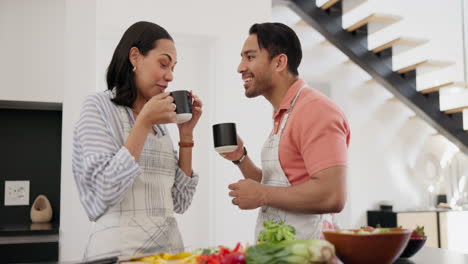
pixel 32 50
pixel 80 76
pixel 208 35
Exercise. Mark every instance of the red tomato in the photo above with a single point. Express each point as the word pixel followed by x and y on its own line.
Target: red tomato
pixel 234 258
pixel 415 235
pixel 368 228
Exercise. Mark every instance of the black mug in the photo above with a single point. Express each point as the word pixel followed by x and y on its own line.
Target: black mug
pixel 183 102
pixel 225 137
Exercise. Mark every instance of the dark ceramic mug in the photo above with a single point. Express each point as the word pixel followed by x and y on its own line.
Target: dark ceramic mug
pixel 183 102
pixel 225 137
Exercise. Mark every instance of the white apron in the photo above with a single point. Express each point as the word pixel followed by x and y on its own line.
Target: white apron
pixel 308 226
pixel 143 222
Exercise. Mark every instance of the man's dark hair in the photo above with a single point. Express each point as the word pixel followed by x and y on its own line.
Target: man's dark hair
pixel 142 35
pixel 277 38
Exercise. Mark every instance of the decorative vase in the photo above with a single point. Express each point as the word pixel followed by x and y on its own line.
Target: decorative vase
pixel 41 210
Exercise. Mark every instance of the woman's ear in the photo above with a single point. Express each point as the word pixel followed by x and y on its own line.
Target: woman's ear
pixel 134 55
pixel 281 62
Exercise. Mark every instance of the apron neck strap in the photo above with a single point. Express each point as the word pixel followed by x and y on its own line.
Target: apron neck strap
pixel 293 102
pixel 286 115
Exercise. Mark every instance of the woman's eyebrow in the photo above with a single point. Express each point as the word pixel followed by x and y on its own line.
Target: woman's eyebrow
pixel 169 56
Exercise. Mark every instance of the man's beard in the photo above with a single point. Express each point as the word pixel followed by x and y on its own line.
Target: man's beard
pixel 260 87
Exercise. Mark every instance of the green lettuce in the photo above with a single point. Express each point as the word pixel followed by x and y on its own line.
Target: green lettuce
pixel 275 232
pixel 292 251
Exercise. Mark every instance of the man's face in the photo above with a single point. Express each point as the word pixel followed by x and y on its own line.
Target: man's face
pixel 255 68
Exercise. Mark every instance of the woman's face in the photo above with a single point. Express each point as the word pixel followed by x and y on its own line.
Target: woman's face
pixel 154 71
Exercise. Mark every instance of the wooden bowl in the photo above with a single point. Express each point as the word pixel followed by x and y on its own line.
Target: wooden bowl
pixel 382 248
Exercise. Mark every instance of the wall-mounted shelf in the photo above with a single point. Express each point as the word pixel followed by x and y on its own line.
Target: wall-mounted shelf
pixel 25 105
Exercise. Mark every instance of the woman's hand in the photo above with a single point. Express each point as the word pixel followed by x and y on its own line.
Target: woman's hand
pixel 236 154
pixel 160 109
pixel 186 129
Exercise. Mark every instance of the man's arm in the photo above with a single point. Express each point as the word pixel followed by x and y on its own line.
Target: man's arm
pixel 325 192
pixel 321 137
pixel 249 170
pixel 247 167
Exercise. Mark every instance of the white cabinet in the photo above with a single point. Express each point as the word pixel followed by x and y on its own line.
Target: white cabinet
pixel 444 229
pixel 32 44
pixel 454 230
pixel 426 219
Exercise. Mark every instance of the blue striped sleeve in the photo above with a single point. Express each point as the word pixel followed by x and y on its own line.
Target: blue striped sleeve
pixel 183 190
pixel 103 168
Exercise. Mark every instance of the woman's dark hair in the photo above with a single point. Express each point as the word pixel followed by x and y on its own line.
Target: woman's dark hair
pixel 142 35
pixel 277 39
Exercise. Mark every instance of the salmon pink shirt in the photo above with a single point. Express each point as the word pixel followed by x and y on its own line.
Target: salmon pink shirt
pixel 316 135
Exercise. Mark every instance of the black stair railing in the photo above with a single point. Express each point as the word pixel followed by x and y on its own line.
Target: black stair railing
pixel 379 65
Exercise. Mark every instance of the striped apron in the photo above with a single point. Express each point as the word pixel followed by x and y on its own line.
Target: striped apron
pixel 308 226
pixel 143 222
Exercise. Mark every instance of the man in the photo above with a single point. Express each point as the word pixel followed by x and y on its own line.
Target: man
pixel 302 180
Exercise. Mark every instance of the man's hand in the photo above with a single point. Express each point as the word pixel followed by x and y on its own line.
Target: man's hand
pixel 236 154
pixel 248 194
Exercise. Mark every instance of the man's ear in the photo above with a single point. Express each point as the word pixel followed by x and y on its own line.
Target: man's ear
pixel 281 62
pixel 134 55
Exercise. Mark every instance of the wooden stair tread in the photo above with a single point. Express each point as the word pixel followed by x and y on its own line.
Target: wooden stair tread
pixel 370 81
pixel 423 63
pixel 301 23
pixel 405 41
pixel 347 5
pixel 328 4
pixel 381 18
pixel 454 102
pixel 437 87
pixel 456 110
pixel 325 42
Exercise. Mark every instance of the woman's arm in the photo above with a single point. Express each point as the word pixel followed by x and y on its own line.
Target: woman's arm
pixel 103 169
pixel 185 155
pixel 185 184
pixel 186 136
pixel 186 180
pixel 183 190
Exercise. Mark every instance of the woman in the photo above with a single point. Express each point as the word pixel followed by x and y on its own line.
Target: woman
pixel 129 178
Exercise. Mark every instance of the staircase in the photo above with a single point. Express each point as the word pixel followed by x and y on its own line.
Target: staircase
pixel 325 16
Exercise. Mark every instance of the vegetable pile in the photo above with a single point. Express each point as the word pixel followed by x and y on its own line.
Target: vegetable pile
pixel 368 230
pixel 277 245
pixel 164 258
pixel 275 232
pixel 292 251
pixel 223 256
pixel 418 233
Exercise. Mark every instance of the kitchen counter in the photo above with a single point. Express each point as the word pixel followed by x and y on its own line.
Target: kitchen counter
pixel 424 256
pixel 435 256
